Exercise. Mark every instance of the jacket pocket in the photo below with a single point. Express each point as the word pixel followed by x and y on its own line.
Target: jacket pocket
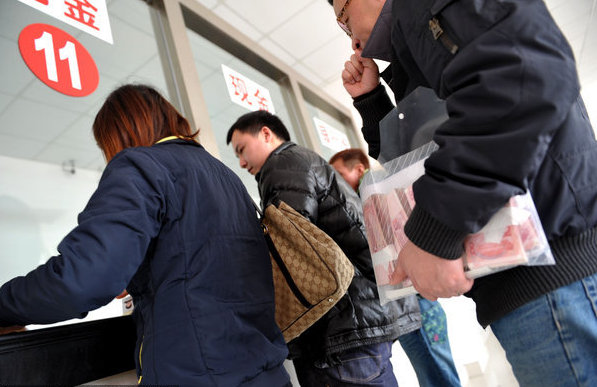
pixel 437 30
pixel 456 23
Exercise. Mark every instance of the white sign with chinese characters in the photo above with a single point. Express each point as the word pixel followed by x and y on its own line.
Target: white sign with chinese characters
pixel 330 136
pixel 90 16
pixel 247 93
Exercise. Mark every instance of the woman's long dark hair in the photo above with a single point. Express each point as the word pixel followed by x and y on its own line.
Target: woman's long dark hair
pixel 137 115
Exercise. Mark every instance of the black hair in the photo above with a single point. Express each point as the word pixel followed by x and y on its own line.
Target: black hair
pixel 253 122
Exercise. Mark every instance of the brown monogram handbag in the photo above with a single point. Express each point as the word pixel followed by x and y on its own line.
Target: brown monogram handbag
pixel 311 272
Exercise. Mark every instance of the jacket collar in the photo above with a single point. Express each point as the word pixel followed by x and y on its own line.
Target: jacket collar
pixel 379 44
pixel 276 151
pixel 279 149
pixel 177 140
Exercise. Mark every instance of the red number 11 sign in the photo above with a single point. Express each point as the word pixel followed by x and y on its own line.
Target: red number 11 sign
pixel 58 60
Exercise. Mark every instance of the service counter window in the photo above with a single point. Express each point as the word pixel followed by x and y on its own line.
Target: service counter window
pixel 57 67
pixel 231 87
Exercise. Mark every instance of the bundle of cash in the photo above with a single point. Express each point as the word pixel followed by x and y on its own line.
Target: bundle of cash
pixel 513 236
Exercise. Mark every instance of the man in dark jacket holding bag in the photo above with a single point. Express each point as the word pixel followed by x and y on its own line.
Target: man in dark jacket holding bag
pixel 516 122
pixel 352 342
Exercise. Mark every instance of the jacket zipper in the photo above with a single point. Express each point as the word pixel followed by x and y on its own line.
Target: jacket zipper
pixel 140 363
pixel 438 33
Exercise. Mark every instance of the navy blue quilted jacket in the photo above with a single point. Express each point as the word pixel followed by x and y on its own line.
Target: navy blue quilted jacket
pixel 177 229
pixel 516 123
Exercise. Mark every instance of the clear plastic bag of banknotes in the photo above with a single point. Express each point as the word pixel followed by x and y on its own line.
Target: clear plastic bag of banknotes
pixel 513 236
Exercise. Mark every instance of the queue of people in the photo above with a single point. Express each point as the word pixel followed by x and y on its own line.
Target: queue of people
pixel 175 227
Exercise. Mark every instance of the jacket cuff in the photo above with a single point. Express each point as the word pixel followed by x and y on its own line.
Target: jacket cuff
pixel 373 106
pixel 433 236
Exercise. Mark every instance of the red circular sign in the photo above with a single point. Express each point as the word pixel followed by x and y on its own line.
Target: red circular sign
pixel 58 59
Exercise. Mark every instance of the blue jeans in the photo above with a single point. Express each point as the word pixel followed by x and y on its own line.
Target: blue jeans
pixel 552 341
pixel 428 348
pixel 368 365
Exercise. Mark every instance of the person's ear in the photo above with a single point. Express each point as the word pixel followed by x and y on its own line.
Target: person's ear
pixel 360 169
pixel 267 133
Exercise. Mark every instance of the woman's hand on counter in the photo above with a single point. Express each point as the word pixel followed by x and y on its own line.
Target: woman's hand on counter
pixel 14 328
pixel 122 295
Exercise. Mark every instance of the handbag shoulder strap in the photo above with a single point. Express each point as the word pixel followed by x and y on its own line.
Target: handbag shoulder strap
pixel 257 208
pixel 284 270
pixel 279 261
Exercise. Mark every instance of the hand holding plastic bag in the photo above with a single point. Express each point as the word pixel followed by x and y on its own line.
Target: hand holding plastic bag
pixel 437 277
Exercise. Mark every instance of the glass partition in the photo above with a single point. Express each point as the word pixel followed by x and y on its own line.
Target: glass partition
pixel 216 68
pixel 49 161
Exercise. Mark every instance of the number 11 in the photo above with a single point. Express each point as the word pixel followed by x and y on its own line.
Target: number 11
pixel 46 43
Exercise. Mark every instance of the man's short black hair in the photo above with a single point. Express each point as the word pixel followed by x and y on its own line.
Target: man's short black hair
pixel 331 2
pixel 253 122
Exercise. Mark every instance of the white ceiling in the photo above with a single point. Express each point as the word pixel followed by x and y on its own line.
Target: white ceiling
pixel 304 34
pixel 301 33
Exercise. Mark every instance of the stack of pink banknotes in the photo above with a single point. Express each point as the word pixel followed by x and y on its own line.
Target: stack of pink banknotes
pixel 513 236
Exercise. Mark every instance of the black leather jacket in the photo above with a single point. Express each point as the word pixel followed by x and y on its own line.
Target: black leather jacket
pixel 306 182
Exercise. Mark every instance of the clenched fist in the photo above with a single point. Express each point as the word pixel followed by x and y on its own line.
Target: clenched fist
pixel 360 75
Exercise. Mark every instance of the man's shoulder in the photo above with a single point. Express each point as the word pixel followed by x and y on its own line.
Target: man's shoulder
pixel 294 156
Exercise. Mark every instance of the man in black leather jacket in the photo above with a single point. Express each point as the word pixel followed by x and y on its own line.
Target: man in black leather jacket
pixel 516 122
pixel 352 342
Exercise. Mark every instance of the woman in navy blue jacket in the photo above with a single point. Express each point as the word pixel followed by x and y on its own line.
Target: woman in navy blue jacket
pixel 177 229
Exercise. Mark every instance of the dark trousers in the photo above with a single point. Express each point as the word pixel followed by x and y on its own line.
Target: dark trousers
pixel 367 365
